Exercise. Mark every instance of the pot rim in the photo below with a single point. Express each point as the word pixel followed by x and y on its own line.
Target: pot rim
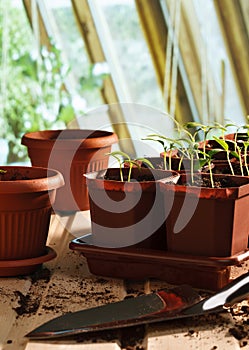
pixel 116 185
pixel 216 193
pixel 41 179
pixel 69 138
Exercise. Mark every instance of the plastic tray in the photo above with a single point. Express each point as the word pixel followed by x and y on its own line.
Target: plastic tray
pixel 210 273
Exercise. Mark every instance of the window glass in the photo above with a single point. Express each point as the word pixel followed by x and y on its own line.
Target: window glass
pixel 128 46
pixel 82 82
pixel 16 68
pixel 37 99
pixel 216 52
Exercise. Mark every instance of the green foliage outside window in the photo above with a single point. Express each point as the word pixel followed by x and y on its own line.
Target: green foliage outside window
pixel 32 85
pixel 32 90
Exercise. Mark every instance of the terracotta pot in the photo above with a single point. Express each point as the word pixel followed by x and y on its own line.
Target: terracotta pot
pixel 205 221
pixel 240 136
pixel 26 198
pixel 127 213
pixel 73 153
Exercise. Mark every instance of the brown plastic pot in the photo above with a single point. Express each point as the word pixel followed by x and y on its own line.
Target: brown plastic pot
pixel 72 152
pixel 26 198
pixel 240 136
pixel 206 221
pixel 127 213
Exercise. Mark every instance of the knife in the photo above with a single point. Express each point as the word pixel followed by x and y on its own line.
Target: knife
pixel 163 305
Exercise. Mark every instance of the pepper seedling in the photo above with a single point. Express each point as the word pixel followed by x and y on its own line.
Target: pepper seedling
pixel 208 160
pixel 123 157
pixel 206 129
pixel 225 147
pixel 246 145
pixel 167 147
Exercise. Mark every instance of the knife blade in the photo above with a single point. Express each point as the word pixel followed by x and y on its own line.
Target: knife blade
pixel 163 305
pixel 125 311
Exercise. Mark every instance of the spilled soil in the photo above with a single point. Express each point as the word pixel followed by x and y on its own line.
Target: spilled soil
pixel 130 338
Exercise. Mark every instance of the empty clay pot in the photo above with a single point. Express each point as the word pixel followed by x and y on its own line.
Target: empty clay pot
pixel 73 152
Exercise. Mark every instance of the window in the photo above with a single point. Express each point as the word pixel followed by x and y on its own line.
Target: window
pixel 128 56
pixel 58 16
pixel 116 52
pixel 218 59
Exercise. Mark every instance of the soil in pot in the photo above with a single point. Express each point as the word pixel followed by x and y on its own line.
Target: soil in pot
pixel 205 181
pixel 222 167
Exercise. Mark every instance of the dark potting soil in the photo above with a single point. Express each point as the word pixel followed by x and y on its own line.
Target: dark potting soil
pixel 29 304
pixel 130 338
pixel 223 182
pixel 227 170
pixel 13 177
pixel 140 178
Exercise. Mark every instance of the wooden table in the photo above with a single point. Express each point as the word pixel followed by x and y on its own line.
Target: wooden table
pixel 65 284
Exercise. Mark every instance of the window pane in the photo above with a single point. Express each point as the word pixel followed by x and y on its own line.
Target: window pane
pixel 127 44
pixel 216 52
pixel 17 89
pixel 65 31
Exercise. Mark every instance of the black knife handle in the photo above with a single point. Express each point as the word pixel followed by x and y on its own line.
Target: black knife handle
pixel 237 290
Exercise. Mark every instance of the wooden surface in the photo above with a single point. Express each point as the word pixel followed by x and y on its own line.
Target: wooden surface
pixel 65 284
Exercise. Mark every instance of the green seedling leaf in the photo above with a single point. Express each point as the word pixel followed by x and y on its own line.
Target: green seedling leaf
pixel 119 153
pixel 235 154
pixel 203 162
pixel 230 125
pixel 133 162
pixel 152 139
pixel 200 163
pixel 146 161
pixel 214 151
pixel 222 143
pixel 190 125
pixel 158 136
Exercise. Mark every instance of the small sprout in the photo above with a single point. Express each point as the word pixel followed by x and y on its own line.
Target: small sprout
pixel 193 154
pixel 246 144
pixel 123 157
pixel 146 161
pixel 168 145
pixel 208 159
pixel 151 138
pixel 118 155
pixel 225 147
pixel 206 129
